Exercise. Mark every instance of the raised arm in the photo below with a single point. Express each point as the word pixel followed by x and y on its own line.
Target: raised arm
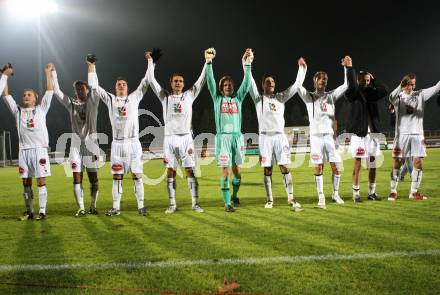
pixel 157 89
pixel 246 83
pixel 352 92
pixel 431 91
pixel 339 92
pixel 96 90
pixel 210 80
pixel 64 99
pixel 197 87
pixel 377 90
pixel 394 95
pixel 143 86
pixel 302 92
pixel 294 88
pixel 9 100
pixel 47 98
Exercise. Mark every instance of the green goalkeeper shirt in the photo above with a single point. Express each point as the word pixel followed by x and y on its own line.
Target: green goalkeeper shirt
pixel 227 109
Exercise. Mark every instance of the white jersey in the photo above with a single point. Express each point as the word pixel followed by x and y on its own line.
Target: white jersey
pixel 177 109
pixel 409 108
pixel 31 122
pixel 83 115
pixel 3 81
pixel 123 111
pixel 321 107
pixel 270 109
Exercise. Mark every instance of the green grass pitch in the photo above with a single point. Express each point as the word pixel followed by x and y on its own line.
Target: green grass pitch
pixel 313 239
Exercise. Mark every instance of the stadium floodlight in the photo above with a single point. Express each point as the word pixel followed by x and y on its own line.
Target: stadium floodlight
pixel 32 8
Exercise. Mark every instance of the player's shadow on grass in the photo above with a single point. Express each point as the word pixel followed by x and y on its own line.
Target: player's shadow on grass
pixel 50 249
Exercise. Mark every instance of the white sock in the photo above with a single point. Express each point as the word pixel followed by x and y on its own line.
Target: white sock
pixel 79 196
pixel 42 198
pixel 336 180
pixel 288 185
pixel 394 180
pixel 139 192
pixel 416 179
pixel 117 193
pixel 356 190
pixel 371 188
pixel 94 191
pixel 268 186
pixel 171 188
pixel 193 186
pixel 319 181
pixel 28 198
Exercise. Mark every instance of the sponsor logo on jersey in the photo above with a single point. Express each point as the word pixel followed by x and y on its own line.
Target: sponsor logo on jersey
pixel 315 157
pixel 42 161
pixel 229 107
pixel 21 170
pixel 117 167
pixel 223 158
pixel 360 151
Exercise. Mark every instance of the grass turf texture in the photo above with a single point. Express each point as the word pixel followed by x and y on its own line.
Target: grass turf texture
pixel 252 231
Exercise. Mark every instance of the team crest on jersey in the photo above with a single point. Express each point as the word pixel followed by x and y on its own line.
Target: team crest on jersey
pixel 229 107
pixel 121 112
pixel 315 157
pixel 42 161
pixel 360 151
pixel 177 107
pixel 30 123
pixel 117 167
pixel 272 107
pixel 21 170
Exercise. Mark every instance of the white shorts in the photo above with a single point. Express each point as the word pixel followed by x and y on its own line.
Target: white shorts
pixel 177 147
pixel 126 155
pixel 81 157
pixel 33 163
pixel 322 149
pixel 409 145
pixel 274 147
pixel 364 147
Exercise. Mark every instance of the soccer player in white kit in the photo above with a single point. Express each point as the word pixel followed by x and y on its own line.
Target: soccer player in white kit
pixel 33 159
pixel 178 141
pixel 273 142
pixel 126 149
pixel 409 106
pixel 321 111
pixel 84 150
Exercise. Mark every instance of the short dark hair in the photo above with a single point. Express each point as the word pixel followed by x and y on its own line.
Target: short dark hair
pixel 176 75
pixel 80 83
pixel 265 76
pixel 120 78
pixel 319 74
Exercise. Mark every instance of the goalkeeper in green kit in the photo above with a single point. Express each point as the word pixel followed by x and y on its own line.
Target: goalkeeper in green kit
pixel 229 142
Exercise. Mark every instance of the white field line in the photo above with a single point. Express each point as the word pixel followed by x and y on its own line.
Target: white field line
pixel 208 262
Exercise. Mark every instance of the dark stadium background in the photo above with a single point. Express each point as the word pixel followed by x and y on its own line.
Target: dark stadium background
pixel 387 38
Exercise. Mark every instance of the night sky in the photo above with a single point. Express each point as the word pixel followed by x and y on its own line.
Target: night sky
pixel 388 41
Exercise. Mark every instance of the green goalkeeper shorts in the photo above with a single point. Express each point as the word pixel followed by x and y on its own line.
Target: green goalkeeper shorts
pixel 229 149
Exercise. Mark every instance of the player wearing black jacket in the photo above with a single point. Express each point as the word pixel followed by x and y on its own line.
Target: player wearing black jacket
pixel 363 93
